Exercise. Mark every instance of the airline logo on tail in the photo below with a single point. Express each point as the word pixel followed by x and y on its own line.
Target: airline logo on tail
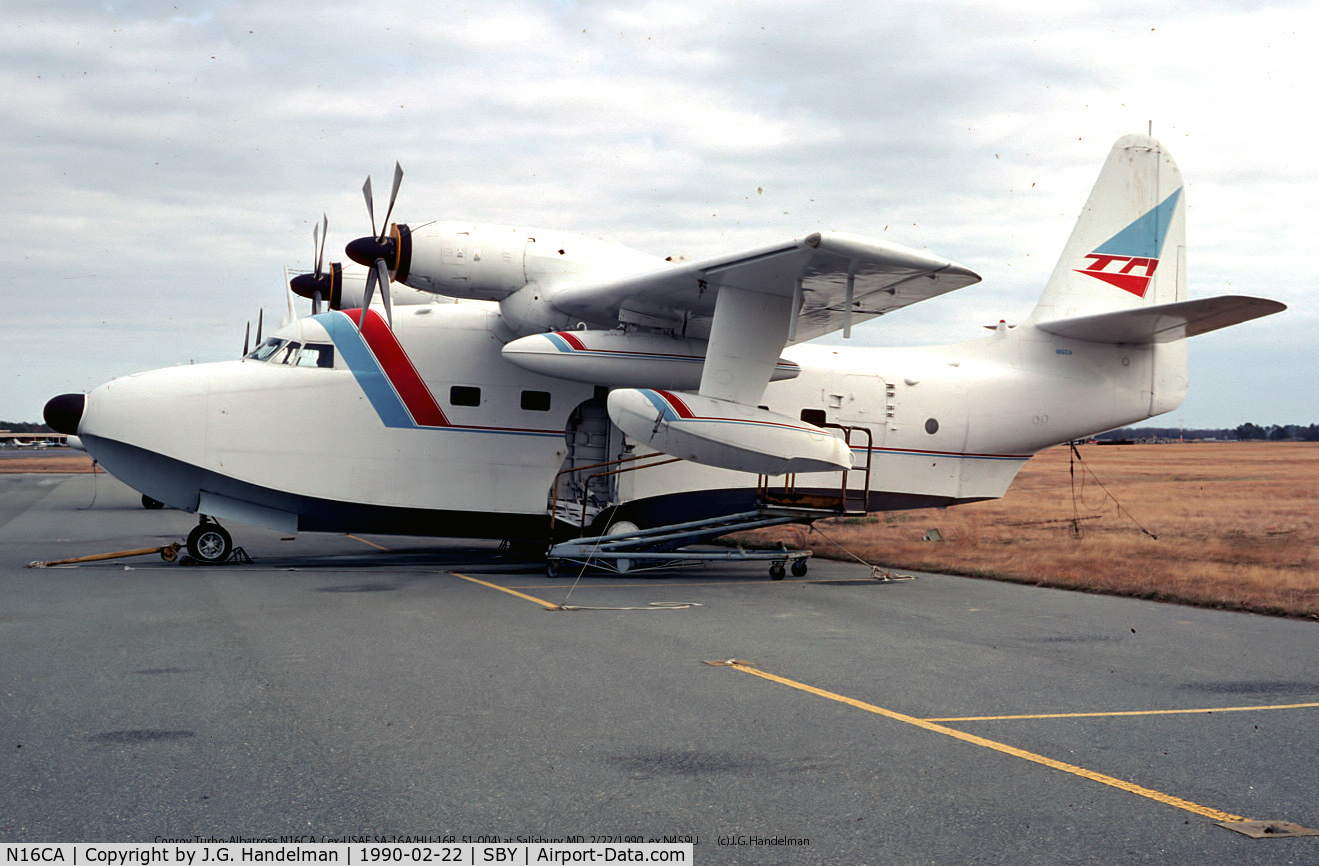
pixel 1129 258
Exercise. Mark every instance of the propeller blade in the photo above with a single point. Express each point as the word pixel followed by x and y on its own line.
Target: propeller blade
pixel 260 315
pixel 316 303
pixel 325 236
pixel 316 247
pixel 382 270
pixel 370 204
pixel 246 335
pixel 366 299
pixel 393 196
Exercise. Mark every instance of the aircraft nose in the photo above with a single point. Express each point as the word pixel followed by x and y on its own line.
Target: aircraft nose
pixel 63 413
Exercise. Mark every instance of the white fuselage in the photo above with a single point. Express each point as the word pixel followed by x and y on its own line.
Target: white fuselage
pixel 358 445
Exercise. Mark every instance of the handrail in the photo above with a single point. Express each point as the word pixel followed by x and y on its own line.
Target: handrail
pixel 790 480
pixel 586 485
pixel 554 487
pixel 870 444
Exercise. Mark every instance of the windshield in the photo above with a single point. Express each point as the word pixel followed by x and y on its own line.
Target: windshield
pixel 266 349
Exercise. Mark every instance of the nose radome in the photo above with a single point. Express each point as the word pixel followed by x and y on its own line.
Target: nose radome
pixel 63 413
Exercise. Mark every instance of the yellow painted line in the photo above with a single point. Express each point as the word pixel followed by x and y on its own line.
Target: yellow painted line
pixel 683 585
pixel 548 605
pixel 1124 713
pixel 1158 796
pixel 364 541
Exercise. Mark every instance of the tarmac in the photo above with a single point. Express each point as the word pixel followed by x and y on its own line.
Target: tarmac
pixel 382 687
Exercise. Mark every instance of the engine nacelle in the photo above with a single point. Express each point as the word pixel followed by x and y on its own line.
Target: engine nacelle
pixel 490 263
pixel 344 289
pixel 484 263
pixel 619 359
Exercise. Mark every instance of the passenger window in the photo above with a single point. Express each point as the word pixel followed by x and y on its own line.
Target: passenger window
pixel 536 401
pixel 464 395
pixel 813 416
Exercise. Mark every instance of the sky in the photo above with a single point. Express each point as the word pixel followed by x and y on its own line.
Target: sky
pixel 166 161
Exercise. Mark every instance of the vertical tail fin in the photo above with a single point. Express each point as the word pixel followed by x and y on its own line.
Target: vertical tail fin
pixel 1128 248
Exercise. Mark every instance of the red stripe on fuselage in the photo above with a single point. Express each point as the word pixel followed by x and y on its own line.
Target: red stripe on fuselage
pixel 402 375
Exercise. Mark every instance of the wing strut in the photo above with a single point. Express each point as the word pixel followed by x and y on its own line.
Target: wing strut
pixel 747 335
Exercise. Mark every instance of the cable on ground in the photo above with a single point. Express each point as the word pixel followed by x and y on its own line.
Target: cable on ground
pixel 1076 525
pixel 878 572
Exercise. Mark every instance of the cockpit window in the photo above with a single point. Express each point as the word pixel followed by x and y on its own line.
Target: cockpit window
pixel 287 355
pixel 316 355
pixel 277 351
pixel 266 349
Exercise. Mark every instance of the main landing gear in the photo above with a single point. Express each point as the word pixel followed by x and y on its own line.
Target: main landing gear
pixel 210 543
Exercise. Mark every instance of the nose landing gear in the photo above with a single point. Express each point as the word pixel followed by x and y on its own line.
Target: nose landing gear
pixel 209 543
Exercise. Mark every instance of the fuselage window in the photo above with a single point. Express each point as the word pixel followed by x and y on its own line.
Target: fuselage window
pixel 316 355
pixel 813 416
pixel 536 401
pixel 266 349
pixel 465 395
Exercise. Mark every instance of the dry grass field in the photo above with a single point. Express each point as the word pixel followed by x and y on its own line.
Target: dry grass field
pixel 1237 526
pixel 55 460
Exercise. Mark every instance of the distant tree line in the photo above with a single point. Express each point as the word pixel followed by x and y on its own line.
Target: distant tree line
pixel 1244 432
pixel 24 427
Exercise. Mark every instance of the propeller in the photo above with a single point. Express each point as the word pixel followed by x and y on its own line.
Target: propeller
pixel 377 251
pixel 247 335
pixel 321 285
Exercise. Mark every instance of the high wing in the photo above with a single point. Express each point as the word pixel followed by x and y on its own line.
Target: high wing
pixel 835 280
pixel 751 305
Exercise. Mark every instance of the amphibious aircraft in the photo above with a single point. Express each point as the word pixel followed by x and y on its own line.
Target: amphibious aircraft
pixel 556 361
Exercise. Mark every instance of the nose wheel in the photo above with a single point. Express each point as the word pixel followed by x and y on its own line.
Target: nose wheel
pixel 209 542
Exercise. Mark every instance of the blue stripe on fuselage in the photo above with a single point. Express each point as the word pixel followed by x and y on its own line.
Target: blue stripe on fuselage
pixel 353 349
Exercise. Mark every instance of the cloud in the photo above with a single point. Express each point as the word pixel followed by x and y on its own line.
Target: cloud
pixel 167 162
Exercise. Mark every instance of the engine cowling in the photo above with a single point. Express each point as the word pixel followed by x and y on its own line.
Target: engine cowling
pixel 483 263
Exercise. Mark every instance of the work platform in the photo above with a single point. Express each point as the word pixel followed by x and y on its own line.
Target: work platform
pixel 661 547
pixel 624 547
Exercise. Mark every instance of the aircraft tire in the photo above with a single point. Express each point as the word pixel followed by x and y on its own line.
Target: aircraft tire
pixel 210 543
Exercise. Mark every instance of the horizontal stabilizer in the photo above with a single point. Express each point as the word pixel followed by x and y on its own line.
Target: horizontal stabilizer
pixel 725 434
pixel 1164 323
